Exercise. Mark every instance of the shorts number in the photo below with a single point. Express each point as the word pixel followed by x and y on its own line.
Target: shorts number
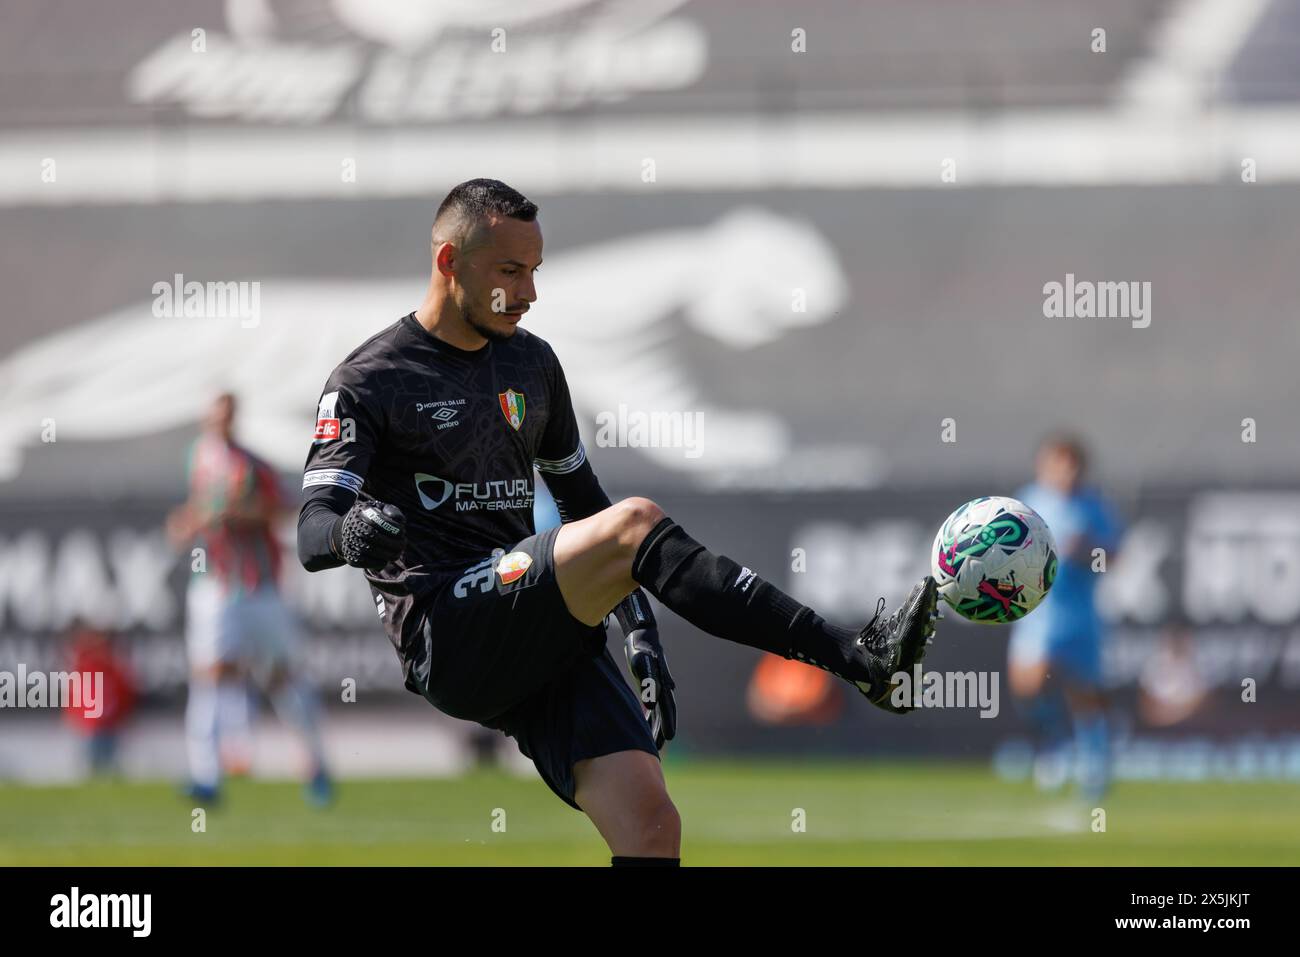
pixel 481 575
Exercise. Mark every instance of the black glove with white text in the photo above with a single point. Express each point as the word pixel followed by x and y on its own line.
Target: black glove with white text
pixel 649 665
pixel 370 535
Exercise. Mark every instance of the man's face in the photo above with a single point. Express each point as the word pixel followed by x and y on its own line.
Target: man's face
pixel 494 280
pixel 221 417
pixel 1058 469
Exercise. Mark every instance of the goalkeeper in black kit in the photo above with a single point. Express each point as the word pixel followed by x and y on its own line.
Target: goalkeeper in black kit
pixel 421 473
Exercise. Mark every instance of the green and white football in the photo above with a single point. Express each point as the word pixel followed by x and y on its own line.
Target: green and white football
pixel 994 560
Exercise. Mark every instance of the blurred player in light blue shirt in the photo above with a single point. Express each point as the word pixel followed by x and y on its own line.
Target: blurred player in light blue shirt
pixel 1055 652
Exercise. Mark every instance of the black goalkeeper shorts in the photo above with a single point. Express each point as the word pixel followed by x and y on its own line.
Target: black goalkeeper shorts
pixel 501 649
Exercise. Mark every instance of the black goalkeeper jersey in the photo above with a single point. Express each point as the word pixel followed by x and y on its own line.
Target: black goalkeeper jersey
pixel 451 438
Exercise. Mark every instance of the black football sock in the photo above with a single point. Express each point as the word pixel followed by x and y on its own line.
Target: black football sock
pixel 730 601
pixel 617 861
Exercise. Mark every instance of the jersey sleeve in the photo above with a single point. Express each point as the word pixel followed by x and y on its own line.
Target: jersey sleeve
pixel 267 487
pixel 561 458
pixel 349 424
pixel 348 427
pixel 1106 525
pixel 561 451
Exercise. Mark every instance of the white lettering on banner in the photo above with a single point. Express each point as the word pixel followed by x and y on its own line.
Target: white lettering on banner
pixel 1242 557
pixel 119 580
pixel 760 444
pixel 421 62
pixel 1134 589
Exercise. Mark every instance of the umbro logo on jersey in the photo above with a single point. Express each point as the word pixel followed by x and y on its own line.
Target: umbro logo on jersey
pixel 745 579
pixel 443 413
pixel 444 417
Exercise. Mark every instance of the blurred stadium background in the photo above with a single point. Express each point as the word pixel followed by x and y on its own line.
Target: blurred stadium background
pixel 921 172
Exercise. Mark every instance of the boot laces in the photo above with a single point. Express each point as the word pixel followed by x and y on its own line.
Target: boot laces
pixel 872 630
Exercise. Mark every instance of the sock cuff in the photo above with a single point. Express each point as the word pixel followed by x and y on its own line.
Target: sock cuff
pixel 618 861
pixel 660 554
pixel 649 541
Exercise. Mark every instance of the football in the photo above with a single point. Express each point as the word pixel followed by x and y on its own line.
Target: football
pixel 994 560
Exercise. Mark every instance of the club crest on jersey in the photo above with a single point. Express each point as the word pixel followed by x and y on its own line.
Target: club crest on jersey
pixel 512 405
pixel 512 567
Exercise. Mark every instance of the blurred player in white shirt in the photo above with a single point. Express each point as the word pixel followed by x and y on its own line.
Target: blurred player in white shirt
pixel 237 625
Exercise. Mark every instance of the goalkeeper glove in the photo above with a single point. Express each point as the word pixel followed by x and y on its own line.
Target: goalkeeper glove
pixel 649 665
pixel 370 535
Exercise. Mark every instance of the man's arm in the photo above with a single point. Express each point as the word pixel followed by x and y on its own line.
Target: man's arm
pixel 365 534
pixel 336 526
pixel 318 522
pixel 577 493
pixel 187 519
pixel 1108 528
pixel 562 459
pixel 262 506
pixel 192 518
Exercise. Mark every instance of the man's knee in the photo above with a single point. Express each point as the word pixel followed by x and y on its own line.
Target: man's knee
pixel 1086 700
pixel 625 796
pixel 216 671
pixel 659 833
pixel 632 519
pixel 1027 678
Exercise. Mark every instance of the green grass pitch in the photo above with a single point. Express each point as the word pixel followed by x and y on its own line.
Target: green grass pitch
pixel 733 812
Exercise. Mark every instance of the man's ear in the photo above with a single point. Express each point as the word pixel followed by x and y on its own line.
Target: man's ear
pixel 446 258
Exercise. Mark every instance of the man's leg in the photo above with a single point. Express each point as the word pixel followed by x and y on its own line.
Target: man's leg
pixel 625 796
pixel 1040 702
pixel 588 737
pixel 593 557
pixel 235 725
pixel 1085 692
pixel 295 703
pixel 273 647
pixel 211 647
pixel 601 559
pixel 1091 741
pixel 201 717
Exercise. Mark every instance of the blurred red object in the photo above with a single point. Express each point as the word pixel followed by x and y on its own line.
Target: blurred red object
pixel 783 691
pixel 90 652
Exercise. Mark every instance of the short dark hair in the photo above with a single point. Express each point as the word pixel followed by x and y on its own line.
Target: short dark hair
pixel 471 202
pixel 1070 444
